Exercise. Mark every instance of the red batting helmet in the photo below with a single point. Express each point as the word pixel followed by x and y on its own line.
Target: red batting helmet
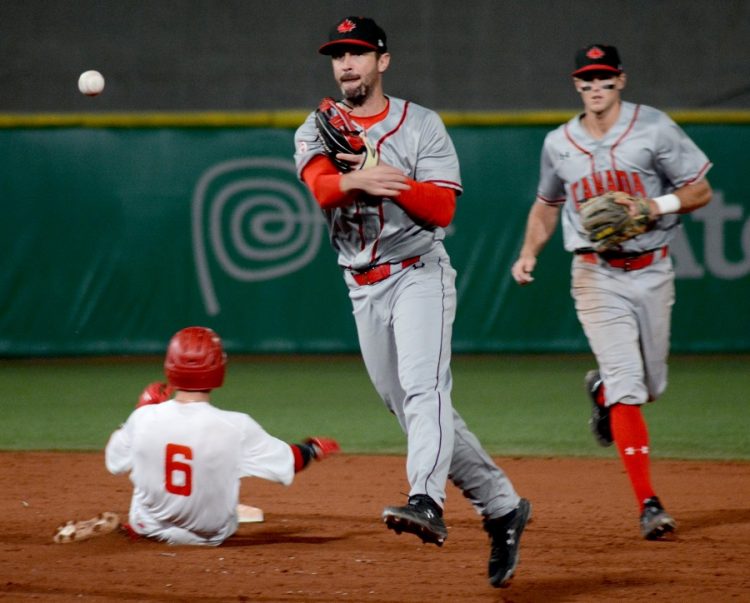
pixel 195 360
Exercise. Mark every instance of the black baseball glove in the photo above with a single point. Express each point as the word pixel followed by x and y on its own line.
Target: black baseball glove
pixel 339 134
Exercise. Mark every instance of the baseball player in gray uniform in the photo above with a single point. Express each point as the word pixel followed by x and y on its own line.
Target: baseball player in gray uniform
pixel 624 297
pixel 386 224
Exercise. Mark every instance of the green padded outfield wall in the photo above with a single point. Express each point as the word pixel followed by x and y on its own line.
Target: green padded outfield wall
pixel 115 237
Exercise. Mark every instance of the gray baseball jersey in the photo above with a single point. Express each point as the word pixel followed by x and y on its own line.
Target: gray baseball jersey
pixel 405 321
pixel 645 153
pixel 413 139
pixel 625 314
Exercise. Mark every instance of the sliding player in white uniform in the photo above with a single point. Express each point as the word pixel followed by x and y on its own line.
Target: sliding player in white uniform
pixel 386 224
pixel 186 457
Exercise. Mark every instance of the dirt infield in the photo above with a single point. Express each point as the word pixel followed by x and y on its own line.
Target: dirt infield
pixel 323 541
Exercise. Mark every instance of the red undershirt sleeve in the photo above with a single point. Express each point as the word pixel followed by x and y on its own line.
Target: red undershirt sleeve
pixel 322 178
pixel 428 202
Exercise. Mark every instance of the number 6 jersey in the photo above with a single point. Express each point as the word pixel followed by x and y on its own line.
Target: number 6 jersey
pixel 185 461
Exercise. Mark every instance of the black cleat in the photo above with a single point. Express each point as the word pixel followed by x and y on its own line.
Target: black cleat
pixel 599 421
pixel 655 521
pixel 505 542
pixel 420 516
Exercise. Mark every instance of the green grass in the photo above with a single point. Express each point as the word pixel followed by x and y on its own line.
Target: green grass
pixel 517 405
pixel 537 405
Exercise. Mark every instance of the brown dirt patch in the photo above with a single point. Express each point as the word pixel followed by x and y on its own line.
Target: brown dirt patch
pixel 323 541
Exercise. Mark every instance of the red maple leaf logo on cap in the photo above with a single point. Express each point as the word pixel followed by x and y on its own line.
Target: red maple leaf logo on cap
pixel 346 26
pixel 595 53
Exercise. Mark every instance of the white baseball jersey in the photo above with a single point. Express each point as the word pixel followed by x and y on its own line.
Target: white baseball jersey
pixel 413 139
pixel 185 461
pixel 645 153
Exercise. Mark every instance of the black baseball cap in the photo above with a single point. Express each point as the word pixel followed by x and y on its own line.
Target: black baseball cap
pixel 597 57
pixel 355 31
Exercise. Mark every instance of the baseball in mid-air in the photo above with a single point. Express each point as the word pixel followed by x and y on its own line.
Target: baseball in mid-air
pixel 91 83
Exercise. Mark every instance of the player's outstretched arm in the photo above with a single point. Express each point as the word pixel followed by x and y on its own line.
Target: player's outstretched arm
pixel 316 447
pixel 540 227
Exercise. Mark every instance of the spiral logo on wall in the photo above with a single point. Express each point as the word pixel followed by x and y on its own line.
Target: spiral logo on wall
pixel 255 219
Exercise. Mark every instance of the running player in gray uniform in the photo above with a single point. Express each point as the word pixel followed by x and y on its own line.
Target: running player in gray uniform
pixel 623 298
pixel 386 224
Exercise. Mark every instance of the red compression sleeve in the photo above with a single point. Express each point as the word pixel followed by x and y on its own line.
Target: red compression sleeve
pixel 322 178
pixel 428 202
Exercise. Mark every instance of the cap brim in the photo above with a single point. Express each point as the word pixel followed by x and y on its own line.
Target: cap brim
pixel 328 47
pixel 599 67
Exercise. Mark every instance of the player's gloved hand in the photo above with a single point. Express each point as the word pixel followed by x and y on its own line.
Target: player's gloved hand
pixel 154 393
pixel 344 142
pixel 322 447
pixel 614 217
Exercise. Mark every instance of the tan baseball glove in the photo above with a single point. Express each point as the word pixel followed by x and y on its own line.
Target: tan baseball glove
pixel 75 531
pixel 608 221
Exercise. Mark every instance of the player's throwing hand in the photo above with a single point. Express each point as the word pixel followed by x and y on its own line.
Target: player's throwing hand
pixel 379 181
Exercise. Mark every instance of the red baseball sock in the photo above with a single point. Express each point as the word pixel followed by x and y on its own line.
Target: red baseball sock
pixel 631 437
